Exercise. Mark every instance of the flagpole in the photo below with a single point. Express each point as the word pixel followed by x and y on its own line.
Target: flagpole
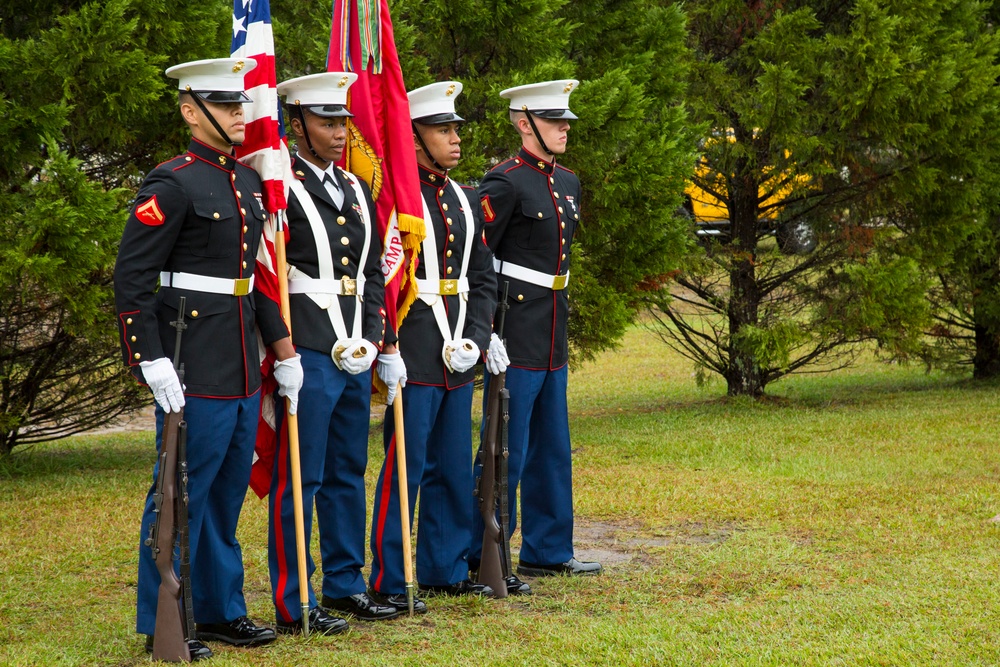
pixel 404 495
pixel 293 432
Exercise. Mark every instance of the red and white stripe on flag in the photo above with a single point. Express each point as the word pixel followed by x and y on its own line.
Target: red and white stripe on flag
pixel 265 150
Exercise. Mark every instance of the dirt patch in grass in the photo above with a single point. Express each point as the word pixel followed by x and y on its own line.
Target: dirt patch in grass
pixel 615 543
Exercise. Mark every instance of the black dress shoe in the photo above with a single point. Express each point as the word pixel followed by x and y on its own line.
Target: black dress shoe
pixel 517 587
pixel 361 607
pixel 398 601
pixel 572 566
pixel 320 622
pixel 197 650
pixel 241 632
pixel 467 587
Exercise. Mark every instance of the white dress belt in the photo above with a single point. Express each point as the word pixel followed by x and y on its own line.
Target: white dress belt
pixel 341 287
pixel 553 282
pixel 446 287
pixel 197 283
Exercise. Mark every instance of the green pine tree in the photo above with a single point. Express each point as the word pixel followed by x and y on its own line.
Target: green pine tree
pixel 852 126
pixel 85 111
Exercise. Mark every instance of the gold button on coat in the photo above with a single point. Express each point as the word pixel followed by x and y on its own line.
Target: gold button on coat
pixel 540 215
pixel 451 237
pixel 556 195
pixel 448 220
pixel 520 297
pixel 450 269
pixel 341 220
pixel 444 207
pixel 245 228
pixel 138 356
pixel 344 240
pixel 128 321
pixel 448 254
pixel 194 313
pixel 244 264
pixel 133 339
pixel 215 215
pixel 345 261
pixel 244 246
pixel 564 256
pixel 243 210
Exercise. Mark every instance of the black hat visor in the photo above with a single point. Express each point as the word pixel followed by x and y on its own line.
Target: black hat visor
pixel 439 119
pixel 222 96
pixel 328 110
pixel 553 114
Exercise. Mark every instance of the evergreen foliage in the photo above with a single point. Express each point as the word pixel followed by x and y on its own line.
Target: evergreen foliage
pixel 628 148
pixel 85 111
pixel 866 125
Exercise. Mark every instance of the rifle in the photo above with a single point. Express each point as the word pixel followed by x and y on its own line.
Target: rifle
pixel 169 639
pixel 492 489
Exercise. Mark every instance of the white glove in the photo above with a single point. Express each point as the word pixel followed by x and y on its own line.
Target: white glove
pixel 162 379
pixel 497 360
pixel 392 371
pixel 288 373
pixel 358 357
pixel 460 355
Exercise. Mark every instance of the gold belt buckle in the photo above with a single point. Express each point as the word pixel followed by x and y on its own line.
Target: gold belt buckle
pixel 349 286
pixel 559 282
pixel 241 287
pixel 448 287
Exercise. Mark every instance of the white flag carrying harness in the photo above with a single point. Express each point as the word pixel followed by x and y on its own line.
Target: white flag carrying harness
pixel 433 286
pixel 325 290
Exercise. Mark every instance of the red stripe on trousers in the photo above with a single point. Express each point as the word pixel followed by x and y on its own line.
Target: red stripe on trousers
pixel 383 508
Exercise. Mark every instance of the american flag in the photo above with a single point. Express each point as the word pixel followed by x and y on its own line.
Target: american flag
pixel 266 150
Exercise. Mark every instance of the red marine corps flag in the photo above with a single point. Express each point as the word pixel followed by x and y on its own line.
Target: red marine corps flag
pixel 380 140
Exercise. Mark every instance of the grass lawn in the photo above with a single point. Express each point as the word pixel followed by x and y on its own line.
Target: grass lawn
pixel 844 521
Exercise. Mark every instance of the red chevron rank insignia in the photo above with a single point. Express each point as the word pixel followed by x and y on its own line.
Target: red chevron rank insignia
pixel 150 213
pixel 488 213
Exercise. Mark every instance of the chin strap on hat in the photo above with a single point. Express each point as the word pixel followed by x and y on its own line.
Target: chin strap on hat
pixel 215 123
pixel 301 112
pixel 534 128
pixel 430 156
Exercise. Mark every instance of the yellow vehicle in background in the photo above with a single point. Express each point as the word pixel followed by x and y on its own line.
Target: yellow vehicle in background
pixel 711 214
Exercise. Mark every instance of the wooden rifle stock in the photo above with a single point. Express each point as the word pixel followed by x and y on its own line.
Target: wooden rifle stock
pixel 495 564
pixel 169 640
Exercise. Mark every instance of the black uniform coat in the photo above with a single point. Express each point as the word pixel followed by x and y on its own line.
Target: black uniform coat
pixel 311 326
pixel 198 213
pixel 532 208
pixel 420 338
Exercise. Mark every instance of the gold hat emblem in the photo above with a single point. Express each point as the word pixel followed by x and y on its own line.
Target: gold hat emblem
pixel 450 91
pixel 238 66
pixel 569 87
pixel 343 82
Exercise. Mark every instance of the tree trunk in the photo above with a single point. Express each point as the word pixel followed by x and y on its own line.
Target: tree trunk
pixel 986 360
pixel 744 376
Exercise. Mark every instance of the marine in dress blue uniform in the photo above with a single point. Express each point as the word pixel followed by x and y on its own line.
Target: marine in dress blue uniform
pixel 195 229
pixel 531 206
pixel 337 299
pixel 441 340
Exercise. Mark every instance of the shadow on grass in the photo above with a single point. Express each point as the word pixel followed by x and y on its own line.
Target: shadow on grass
pixel 80 455
pixel 802 392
